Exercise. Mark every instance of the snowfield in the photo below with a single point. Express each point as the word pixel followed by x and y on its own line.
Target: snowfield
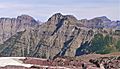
pixel 15 61
pixel 5 61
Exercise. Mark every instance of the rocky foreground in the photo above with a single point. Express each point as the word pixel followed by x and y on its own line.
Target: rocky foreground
pixel 91 61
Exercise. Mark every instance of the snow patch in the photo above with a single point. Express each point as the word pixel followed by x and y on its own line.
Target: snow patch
pixel 5 61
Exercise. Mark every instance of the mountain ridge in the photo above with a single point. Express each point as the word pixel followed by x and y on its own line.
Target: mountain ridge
pixel 61 35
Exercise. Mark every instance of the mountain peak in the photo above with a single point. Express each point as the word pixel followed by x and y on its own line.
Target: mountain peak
pixel 103 18
pixel 26 19
pixel 71 17
pixel 55 16
pixel 24 16
pixel 58 16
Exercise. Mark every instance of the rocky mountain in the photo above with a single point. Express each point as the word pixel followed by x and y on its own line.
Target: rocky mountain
pixel 100 22
pixel 10 26
pixel 61 35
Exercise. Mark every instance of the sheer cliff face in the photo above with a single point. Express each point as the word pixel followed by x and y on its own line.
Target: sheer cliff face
pixel 61 35
pixel 10 26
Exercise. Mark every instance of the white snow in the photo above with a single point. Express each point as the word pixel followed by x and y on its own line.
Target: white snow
pixel 14 61
pixel 5 61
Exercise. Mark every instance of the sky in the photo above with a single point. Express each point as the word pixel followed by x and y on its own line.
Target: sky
pixel 43 9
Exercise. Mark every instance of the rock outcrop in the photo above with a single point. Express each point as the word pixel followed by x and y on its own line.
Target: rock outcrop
pixel 10 26
pixel 91 61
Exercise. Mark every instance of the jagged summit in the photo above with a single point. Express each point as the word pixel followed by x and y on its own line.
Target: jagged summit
pixel 10 26
pixel 58 15
pixel 103 18
pixel 26 19
pixel 24 16
pixel 22 19
pixel 59 18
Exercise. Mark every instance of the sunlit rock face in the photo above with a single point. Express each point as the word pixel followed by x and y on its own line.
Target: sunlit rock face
pixel 10 26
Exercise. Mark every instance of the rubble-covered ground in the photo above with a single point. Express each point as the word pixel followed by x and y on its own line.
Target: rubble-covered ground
pixel 91 61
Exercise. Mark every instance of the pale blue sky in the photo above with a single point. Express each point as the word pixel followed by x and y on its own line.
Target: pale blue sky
pixel 43 9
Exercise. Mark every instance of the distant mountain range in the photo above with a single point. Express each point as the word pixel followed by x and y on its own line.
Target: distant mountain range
pixel 61 35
